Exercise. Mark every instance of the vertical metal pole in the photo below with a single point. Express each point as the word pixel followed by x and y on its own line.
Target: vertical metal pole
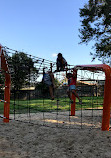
pixel 73 98
pixel 107 101
pixel 7 103
pixel 4 66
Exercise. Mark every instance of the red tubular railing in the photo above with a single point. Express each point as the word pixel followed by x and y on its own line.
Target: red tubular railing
pixel 107 92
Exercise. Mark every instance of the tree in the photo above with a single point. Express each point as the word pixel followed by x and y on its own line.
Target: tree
pixel 96 26
pixel 22 67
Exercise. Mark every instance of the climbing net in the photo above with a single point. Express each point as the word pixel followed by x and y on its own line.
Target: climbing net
pixel 2 88
pixel 30 99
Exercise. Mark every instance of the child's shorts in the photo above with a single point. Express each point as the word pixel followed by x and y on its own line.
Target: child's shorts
pixel 48 83
pixel 72 87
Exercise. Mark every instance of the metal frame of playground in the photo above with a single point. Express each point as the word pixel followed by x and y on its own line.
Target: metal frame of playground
pixel 100 67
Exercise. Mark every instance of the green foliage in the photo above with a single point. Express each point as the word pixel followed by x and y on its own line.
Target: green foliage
pixel 96 26
pixel 22 66
pixel 40 86
pixel 57 82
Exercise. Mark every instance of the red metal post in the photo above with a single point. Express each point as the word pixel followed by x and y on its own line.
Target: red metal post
pixel 107 91
pixel 107 100
pixel 4 67
pixel 73 105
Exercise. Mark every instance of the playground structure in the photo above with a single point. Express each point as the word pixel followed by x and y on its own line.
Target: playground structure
pixel 5 71
pixel 33 105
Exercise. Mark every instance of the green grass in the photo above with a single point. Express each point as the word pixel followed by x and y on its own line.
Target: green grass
pixel 1 107
pixel 91 102
pixel 40 105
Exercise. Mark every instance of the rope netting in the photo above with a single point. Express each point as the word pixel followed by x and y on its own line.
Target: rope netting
pixel 2 87
pixel 30 99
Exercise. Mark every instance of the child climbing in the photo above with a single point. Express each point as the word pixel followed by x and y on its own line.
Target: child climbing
pixel 48 79
pixel 72 86
pixel 60 62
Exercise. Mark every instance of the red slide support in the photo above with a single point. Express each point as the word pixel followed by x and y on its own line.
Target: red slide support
pixel 107 92
pixel 5 70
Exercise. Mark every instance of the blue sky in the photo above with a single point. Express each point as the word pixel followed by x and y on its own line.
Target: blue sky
pixel 44 28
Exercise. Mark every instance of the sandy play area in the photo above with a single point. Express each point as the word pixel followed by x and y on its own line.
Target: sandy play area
pixel 24 140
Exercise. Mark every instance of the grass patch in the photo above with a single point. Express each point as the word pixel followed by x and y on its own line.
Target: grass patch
pixel 46 105
pixel 39 105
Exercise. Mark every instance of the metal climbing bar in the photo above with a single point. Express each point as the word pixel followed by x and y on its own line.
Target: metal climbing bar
pixel 5 69
pixel 107 89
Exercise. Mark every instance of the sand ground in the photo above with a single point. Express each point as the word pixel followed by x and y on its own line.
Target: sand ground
pixel 24 140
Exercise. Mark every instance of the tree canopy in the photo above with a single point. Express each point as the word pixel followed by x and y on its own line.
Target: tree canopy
pixel 22 67
pixel 96 26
